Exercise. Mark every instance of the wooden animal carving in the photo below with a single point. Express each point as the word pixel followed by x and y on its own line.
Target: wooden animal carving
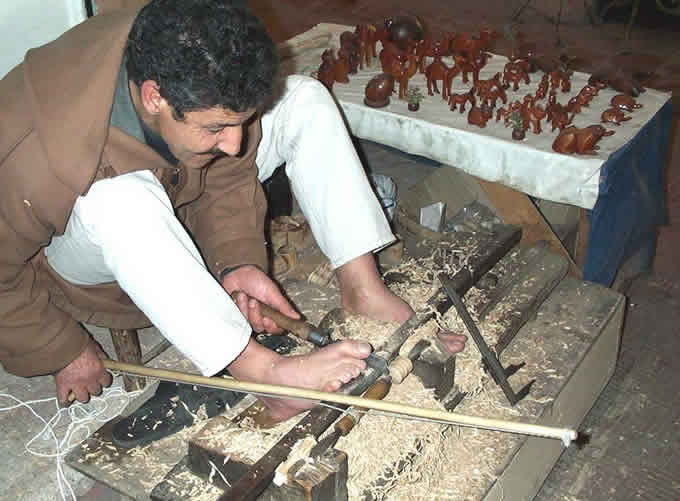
pixel 479 115
pixel 514 73
pixel 349 43
pixel 365 36
pixel 581 141
pixel 625 102
pixel 543 87
pixel 459 100
pixel 435 71
pixel 326 72
pixel 614 116
pixel 532 113
pixel 484 86
pixel 466 67
pixel 403 68
pixel 560 79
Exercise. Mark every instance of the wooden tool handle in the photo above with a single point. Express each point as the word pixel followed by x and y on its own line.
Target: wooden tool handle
pixel 300 328
pixel 377 391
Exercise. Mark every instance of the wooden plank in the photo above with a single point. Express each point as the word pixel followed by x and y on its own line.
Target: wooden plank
pixel 517 208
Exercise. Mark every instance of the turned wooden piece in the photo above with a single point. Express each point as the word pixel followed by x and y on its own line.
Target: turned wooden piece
pixel 378 90
pixel 128 350
pixel 405 30
pixel 582 141
pixel 614 116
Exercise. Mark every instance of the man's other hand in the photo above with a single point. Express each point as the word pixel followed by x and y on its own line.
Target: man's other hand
pixel 248 286
pixel 84 376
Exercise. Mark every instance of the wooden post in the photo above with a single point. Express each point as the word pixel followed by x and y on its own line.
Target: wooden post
pixel 128 350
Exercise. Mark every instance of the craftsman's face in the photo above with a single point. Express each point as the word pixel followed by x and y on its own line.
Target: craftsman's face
pixel 203 136
pixel 198 139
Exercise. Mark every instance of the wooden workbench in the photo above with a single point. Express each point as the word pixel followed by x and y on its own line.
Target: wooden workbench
pixel 569 347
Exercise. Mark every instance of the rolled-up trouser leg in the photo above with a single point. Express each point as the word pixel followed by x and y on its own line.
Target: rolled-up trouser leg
pixel 305 130
pixel 125 230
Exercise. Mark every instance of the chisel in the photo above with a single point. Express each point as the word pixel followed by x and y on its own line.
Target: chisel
pixel 309 332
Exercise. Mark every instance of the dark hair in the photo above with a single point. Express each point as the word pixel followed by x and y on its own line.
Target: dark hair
pixel 202 54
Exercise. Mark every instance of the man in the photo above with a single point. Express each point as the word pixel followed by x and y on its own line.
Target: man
pixel 130 150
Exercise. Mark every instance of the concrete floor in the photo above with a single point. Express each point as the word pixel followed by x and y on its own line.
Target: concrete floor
pixel 635 425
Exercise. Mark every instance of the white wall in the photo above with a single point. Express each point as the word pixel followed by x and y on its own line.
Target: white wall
pixel 31 23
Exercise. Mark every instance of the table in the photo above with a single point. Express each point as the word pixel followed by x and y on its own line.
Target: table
pixel 620 188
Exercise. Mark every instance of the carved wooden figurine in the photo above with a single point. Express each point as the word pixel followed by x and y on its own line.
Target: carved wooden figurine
pixel 403 67
pixel 460 100
pixel 326 72
pixel 470 46
pixel 507 112
pixel 614 116
pixel 479 115
pixel 342 67
pixel 581 141
pixel 437 70
pixel 515 72
pixel 625 102
pixel 466 67
pixel 378 90
pixel 483 86
pixel 532 113
pixel 543 87
pixel 560 78
pixel 349 42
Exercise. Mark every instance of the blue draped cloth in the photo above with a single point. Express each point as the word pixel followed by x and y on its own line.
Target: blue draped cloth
pixel 630 204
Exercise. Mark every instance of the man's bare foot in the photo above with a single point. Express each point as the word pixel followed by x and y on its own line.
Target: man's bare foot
pixel 363 292
pixel 326 369
pixel 454 342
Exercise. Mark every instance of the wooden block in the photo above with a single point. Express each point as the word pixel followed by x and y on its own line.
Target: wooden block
pixel 324 479
pixel 436 369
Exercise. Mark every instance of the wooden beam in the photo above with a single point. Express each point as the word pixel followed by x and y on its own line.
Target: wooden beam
pixel 516 208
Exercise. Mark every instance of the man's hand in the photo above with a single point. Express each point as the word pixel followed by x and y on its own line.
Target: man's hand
pixel 248 286
pixel 84 376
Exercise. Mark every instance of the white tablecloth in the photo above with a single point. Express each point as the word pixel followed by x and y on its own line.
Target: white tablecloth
pixel 435 132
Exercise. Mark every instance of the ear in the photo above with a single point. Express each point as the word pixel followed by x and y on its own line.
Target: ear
pixel 151 97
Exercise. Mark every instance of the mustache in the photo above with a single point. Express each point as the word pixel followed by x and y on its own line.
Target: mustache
pixel 214 152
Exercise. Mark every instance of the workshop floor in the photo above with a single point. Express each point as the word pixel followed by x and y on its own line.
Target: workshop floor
pixel 635 424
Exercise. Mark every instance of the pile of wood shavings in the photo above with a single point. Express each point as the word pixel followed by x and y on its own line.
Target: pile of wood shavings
pixel 246 441
pixel 377 445
pixel 188 486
